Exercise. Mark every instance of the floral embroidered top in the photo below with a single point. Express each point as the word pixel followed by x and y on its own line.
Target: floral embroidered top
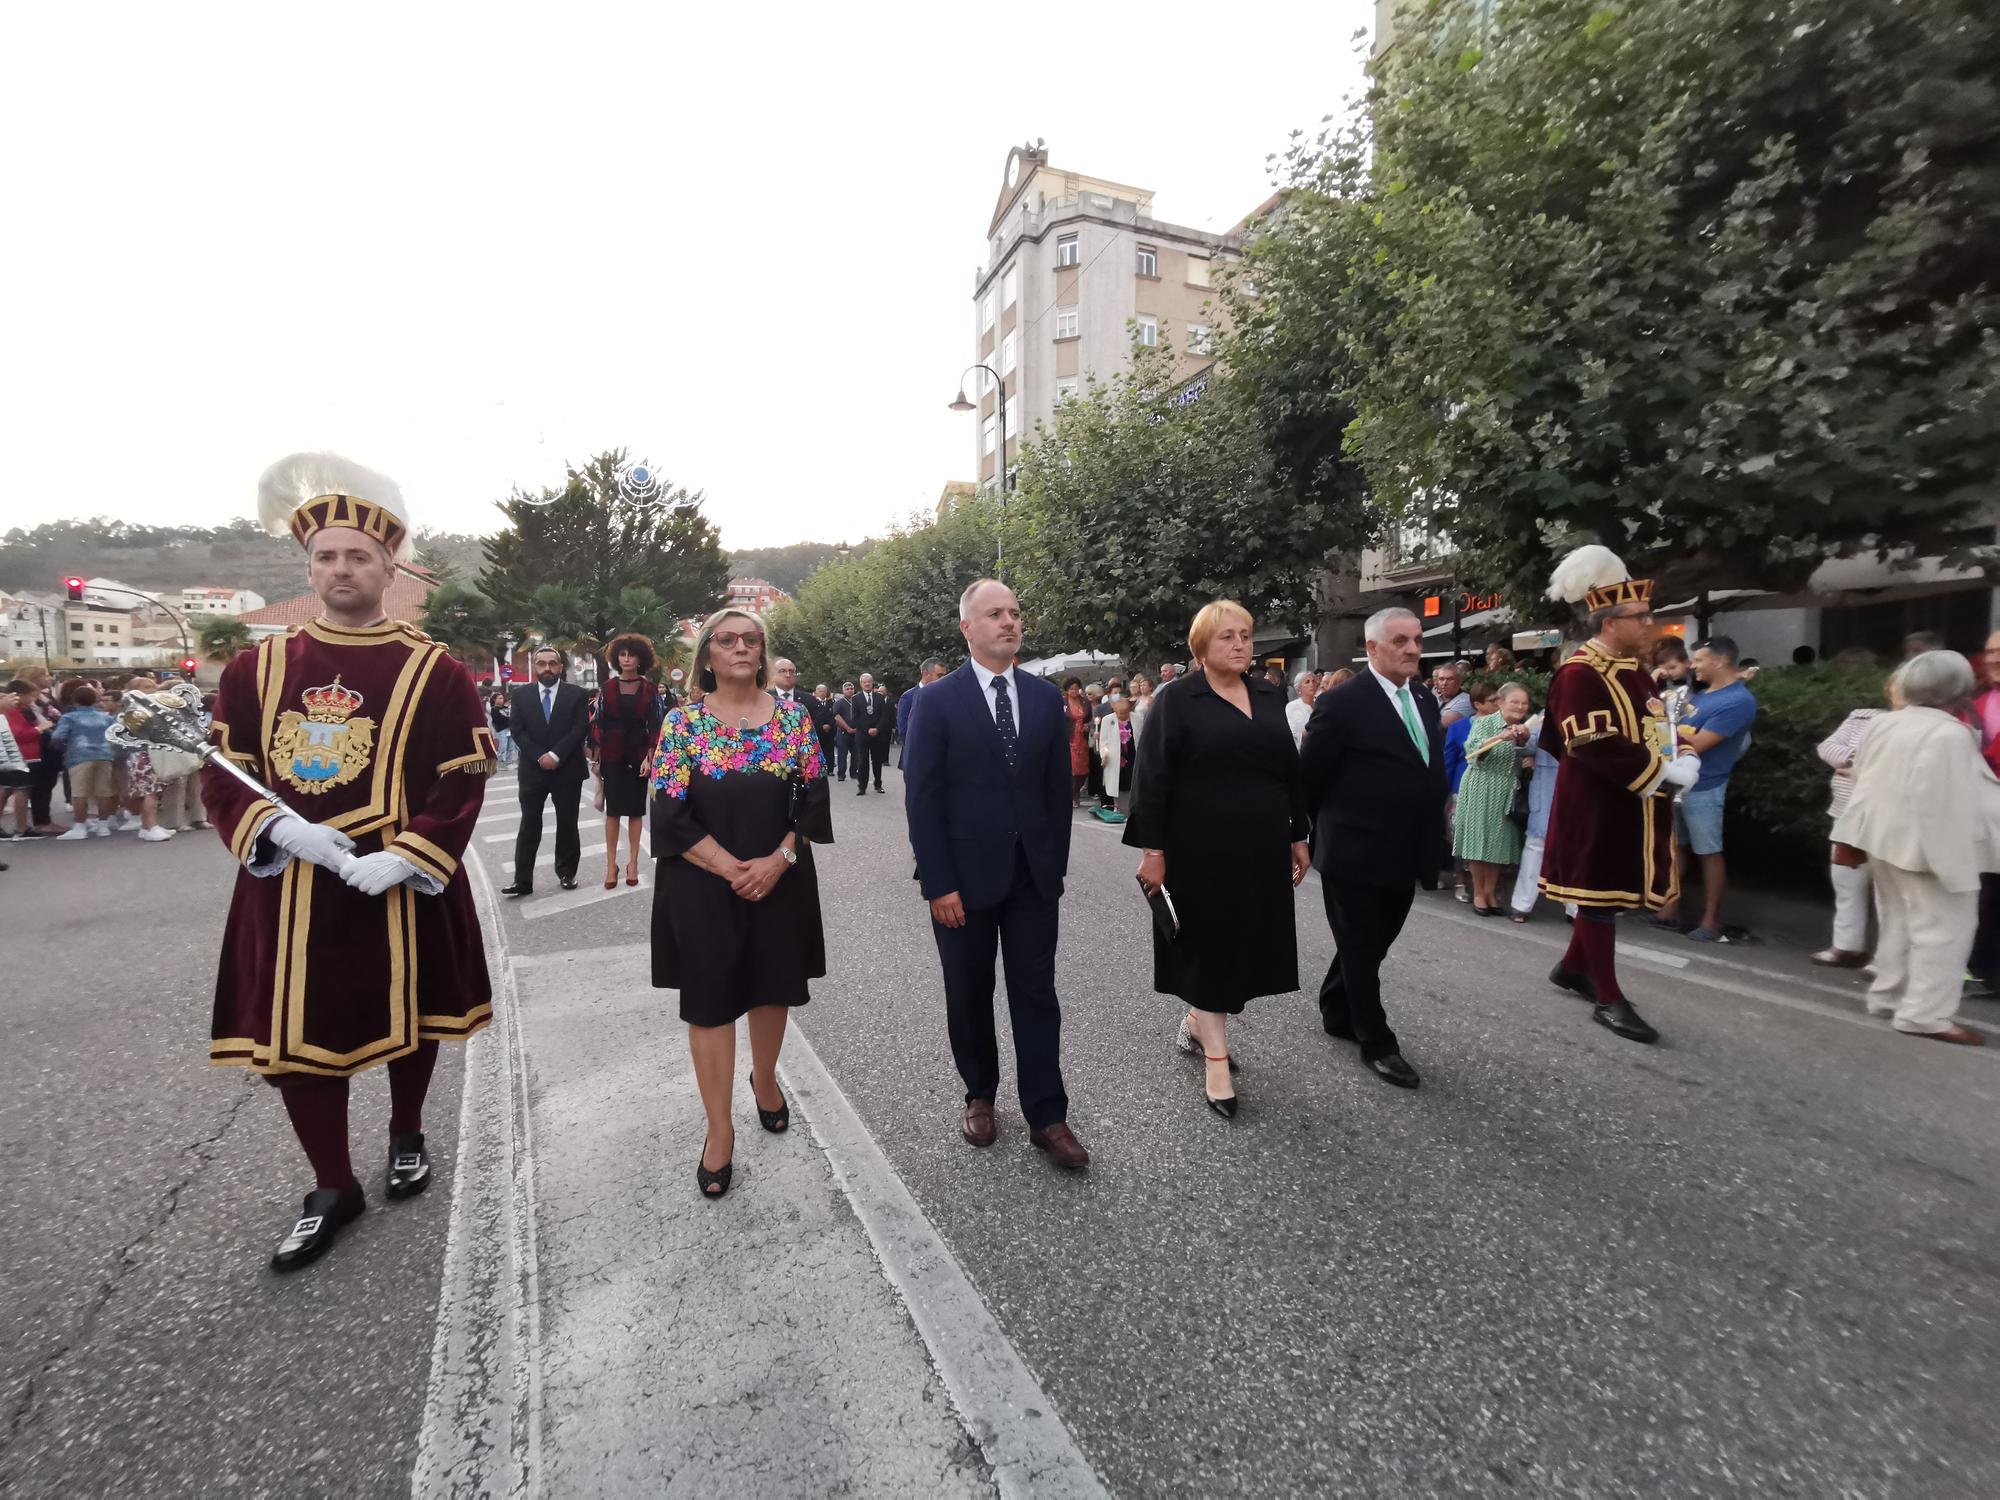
pixel 693 742
pixel 744 788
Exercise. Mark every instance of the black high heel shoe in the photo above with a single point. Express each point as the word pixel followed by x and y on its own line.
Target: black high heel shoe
pixel 1224 1107
pixel 712 1184
pixel 1187 1042
pixel 778 1120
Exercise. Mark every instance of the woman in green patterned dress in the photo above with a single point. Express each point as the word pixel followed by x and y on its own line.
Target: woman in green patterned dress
pixel 1485 837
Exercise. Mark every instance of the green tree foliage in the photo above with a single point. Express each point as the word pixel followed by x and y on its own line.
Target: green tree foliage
pixel 886 611
pixel 1716 282
pixel 221 636
pixel 1135 509
pixel 582 563
pixel 464 619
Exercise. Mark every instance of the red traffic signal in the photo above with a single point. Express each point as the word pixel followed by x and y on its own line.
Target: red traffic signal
pixel 188 665
pixel 75 587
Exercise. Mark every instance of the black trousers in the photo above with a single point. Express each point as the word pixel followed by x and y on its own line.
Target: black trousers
pixel 567 795
pixel 870 756
pixel 1366 921
pixel 42 778
pixel 1985 961
pixel 1023 929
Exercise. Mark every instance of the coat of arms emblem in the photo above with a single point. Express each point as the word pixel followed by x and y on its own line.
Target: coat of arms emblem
pixel 327 745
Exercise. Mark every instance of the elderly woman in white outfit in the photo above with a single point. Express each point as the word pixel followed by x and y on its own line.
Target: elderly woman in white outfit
pixel 1926 812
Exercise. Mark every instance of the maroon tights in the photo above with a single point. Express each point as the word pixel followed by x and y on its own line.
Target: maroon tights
pixel 318 1110
pixel 1592 950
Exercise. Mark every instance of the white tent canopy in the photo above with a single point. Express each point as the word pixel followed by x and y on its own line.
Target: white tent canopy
pixel 1075 661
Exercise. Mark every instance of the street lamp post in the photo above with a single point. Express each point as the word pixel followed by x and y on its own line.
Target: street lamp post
pixel 180 623
pixel 1000 459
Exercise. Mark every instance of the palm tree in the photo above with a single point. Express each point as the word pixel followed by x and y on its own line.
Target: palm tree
pixel 222 636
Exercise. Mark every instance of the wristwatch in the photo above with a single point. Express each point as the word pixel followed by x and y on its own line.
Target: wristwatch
pixel 790 857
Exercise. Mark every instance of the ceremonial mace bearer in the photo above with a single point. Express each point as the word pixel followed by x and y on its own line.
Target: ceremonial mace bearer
pixel 352 938
pixel 1610 844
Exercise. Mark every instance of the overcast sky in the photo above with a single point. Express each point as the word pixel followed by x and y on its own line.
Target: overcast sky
pixel 463 245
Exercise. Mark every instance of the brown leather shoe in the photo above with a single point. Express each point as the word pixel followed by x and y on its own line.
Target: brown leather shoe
pixel 1064 1149
pixel 977 1126
pixel 1964 1036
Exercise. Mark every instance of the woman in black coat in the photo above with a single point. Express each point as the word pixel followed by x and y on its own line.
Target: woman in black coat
pixel 1218 808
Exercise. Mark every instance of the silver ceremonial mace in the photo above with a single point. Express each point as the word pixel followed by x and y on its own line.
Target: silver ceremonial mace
pixel 171 716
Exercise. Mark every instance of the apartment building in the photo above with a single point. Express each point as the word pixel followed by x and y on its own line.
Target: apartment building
pixel 754 596
pixel 1078 271
pixel 217 601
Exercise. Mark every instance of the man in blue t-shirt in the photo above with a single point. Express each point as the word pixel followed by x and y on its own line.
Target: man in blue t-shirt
pixel 1717 728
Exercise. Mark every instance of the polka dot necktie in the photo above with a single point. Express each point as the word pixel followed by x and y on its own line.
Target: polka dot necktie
pixel 1003 718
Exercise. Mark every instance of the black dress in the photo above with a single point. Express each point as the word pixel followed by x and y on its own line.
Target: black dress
pixel 1219 793
pixel 746 789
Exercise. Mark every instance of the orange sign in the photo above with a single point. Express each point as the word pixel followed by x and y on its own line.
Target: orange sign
pixel 1431 606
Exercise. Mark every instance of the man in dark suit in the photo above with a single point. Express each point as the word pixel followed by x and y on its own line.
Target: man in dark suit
pixel 868 716
pixel 550 719
pixel 819 708
pixel 1373 763
pixel 932 670
pixel 986 792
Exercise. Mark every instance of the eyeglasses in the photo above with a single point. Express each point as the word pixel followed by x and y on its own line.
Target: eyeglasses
pixel 1644 614
pixel 727 639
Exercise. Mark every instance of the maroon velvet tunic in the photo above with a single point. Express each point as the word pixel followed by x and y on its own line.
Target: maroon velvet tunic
pixel 379 733
pixel 1610 841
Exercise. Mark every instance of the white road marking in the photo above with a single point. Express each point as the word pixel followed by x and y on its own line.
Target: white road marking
pixel 478 1438
pixel 567 901
pixel 546 856
pixel 998 1398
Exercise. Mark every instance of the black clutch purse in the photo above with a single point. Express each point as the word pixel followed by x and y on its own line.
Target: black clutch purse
pixel 1166 921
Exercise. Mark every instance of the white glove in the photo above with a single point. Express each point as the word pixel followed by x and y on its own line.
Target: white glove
pixel 372 874
pixel 314 843
pixel 1683 770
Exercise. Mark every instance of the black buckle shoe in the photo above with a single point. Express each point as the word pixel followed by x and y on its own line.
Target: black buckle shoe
pixel 517 889
pixel 409 1167
pixel 327 1210
pixel 1575 981
pixel 1619 1016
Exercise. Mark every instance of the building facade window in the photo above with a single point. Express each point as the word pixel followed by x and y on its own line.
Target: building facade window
pixel 1200 339
pixel 1010 348
pixel 986 436
pixel 1146 330
pixel 1149 261
pixel 1010 286
pixel 1067 389
pixel 986 312
pixel 1066 322
pixel 1069 250
pixel 1197 271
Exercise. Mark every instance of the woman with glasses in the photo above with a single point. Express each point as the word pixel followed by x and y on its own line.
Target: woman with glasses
pixel 739 789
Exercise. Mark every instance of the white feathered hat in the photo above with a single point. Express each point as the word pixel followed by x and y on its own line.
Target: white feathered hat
pixel 303 492
pixel 1597 578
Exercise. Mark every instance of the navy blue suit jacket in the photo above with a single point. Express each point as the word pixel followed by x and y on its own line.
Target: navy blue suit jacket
pixel 968 811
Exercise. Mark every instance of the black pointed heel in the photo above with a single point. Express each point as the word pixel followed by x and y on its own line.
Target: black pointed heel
pixel 778 1120
pixel 712 1184
pixel 1224 1107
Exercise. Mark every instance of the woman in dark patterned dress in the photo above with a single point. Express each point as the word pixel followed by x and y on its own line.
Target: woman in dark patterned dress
pixel 625 719
pixel 739 797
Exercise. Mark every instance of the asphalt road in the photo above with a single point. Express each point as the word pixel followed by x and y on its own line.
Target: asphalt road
pixel 1757 1257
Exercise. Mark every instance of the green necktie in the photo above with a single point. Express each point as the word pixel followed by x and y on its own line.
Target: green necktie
pixel 1410 721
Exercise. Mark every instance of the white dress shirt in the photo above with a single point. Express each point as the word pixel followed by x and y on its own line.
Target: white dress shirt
pixel 986 691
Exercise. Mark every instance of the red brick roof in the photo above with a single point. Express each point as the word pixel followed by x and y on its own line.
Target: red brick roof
pixel 408 591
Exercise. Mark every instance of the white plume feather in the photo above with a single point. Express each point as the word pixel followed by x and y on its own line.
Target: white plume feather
pixel 1585 569
pixel 300 477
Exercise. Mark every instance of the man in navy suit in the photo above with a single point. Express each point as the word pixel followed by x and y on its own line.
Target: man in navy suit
pixel 986 792
pixel 550 719
pixel 933 669
pixel 1373 763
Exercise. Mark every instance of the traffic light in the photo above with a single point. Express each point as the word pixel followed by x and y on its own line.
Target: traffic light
pixel 75 587
pixel 188 665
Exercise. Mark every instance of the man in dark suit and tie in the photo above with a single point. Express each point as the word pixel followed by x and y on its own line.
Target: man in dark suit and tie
pixel 550 719
pixel 986 792
pixel 869 717
pixel 1373 764
pixel 932 670
pixel 819 708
